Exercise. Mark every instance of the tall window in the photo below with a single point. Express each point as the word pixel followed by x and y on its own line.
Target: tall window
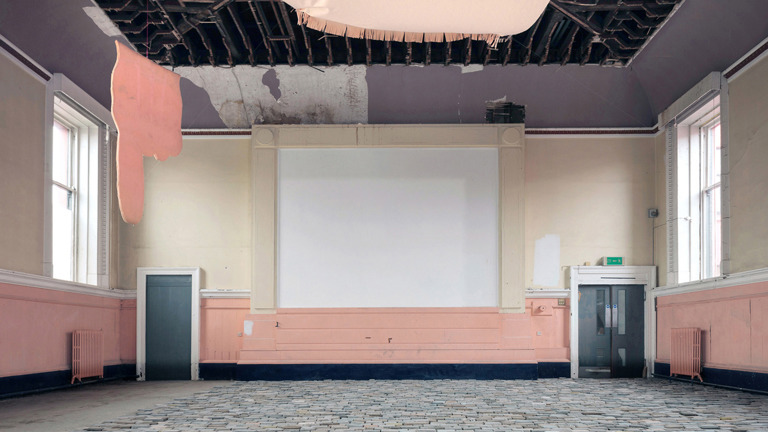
pixel 697 219
pixel 63 200
pixel 711 217
pixel 79 162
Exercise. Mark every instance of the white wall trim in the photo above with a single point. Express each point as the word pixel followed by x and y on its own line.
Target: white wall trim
pixel 18 63
pixel 703 91
pixel 227 294
pixel 618 275
pixel 736 279
pixel 725 178
pixel 219 134
pixel 609 133
pixel 141 315
pixel 44 282
pixel 61 83
pixel 547 293
pixel 749 65
pixel 496 135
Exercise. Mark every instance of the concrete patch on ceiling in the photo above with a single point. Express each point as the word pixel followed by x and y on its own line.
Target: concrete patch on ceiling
pixel 245 95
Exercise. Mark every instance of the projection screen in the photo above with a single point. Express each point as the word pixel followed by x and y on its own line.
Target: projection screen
pixel 408 227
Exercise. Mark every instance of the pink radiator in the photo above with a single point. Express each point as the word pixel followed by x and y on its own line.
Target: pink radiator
pixel 87 354
pixel 686 353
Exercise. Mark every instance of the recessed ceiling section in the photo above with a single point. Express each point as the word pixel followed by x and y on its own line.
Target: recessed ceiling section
pixel 253 32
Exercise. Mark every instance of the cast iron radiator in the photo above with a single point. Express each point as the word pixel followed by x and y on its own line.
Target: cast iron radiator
pixel 87 354
pixel 686 353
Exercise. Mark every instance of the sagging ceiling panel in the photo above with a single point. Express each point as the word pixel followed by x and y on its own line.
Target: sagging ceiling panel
pixel 256 32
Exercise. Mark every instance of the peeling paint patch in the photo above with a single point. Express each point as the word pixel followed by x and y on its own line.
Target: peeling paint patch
pixel 471 68
pixel 243 96
pixel 102 21
pixel 270 80
pixel 499 100
pixel 248 327
pixel 546 261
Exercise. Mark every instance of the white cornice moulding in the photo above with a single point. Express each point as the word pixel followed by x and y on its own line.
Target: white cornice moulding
pixel 729 71
pixel 547 293
pixel 736 279
pixel 218 134
pixel 20 64
pixel 596 132
pixel 228 294
pixel 35 281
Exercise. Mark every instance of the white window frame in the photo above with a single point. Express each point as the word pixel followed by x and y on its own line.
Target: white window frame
pixel 75 109
pixel 70 185
pixel 707 258
pixel 686 121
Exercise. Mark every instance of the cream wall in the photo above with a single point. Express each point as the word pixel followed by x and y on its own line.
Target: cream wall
pixel 593 194
pixel 22 153
pixel 197 213
pixel 748 141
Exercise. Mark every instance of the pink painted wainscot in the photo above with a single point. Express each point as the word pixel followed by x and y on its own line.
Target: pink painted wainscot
pixel 734 321
pixel 36 335
pixel 407 335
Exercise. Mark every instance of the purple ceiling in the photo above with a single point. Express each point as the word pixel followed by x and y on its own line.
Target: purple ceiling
pixel 702 36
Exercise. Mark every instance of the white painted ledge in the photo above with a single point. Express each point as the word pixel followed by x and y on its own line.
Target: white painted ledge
pixel 547 293
pixel 225 294
pixel 35 281
pixel 736 279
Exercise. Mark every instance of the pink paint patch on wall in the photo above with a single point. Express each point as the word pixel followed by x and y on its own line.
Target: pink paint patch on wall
pixel 146 107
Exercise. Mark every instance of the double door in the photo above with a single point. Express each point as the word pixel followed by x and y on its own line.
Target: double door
pixel 611 326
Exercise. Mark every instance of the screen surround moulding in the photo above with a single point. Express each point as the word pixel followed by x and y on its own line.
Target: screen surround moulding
pixel 505 142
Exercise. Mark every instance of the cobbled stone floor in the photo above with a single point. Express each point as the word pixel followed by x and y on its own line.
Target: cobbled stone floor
pixel 444 405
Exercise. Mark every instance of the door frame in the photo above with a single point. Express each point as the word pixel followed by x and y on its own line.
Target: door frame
pixel 618 275
pixel 141 315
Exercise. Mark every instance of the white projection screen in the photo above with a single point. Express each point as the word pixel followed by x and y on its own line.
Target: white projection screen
pixel 408 227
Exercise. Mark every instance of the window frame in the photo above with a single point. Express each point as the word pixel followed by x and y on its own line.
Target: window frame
pixel 687 123
pixel 70 186
pixel 91 166
pixel 709 237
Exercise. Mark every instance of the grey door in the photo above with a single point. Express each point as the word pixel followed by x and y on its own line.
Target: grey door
pixel 611 326
pixel 169 327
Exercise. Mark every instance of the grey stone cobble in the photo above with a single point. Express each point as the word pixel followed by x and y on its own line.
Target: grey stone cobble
pixel 547 405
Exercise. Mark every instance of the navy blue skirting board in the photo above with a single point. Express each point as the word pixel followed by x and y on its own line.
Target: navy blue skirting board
pixel 723 377
pixel 278 372
pixel 22 384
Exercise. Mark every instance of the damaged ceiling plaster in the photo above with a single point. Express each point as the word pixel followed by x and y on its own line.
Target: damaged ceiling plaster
pixel 245 95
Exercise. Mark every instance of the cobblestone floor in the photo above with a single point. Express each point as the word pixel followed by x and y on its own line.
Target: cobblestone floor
pixel 543 405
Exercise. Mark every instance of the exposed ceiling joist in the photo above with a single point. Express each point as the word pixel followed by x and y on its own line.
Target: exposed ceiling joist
pixel 267 32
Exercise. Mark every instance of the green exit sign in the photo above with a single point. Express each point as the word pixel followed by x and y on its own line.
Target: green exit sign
pixel 613 260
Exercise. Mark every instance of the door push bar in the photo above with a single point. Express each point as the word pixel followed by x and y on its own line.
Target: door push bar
pixel 611 318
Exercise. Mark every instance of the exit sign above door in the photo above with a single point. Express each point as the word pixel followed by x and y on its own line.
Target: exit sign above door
pixel 613 260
